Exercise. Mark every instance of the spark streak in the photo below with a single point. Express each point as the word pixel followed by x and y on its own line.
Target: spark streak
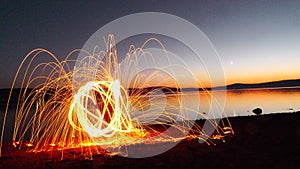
pixel 60 112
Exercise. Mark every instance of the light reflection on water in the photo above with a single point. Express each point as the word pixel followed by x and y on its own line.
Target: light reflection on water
pixel 242 102
pixel 238 103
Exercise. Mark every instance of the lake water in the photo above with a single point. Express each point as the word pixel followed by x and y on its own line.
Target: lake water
pixel 237 103
pixel 216 104
pixel 276 100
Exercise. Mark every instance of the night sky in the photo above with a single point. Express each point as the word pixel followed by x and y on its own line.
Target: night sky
pixel 256 40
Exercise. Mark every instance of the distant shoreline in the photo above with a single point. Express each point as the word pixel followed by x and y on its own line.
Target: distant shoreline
pixel 291 83
pixel 276 85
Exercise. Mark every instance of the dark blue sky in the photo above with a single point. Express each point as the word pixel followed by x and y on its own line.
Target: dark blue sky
pixel 256 40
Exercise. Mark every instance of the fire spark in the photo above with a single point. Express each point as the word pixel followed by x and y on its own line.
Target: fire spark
pixel 103 111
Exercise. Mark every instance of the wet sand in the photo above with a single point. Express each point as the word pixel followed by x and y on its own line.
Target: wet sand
pixel 265 141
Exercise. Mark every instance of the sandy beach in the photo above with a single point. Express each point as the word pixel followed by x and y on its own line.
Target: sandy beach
pixel 265 141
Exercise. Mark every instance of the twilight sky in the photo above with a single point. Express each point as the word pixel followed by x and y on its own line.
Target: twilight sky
pixel 256 40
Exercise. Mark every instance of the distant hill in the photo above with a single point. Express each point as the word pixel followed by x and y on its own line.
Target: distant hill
pixel 146 90
pixel 275 84
pixel 4 93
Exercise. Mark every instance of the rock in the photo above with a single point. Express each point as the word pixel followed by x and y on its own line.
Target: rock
pixel 257 111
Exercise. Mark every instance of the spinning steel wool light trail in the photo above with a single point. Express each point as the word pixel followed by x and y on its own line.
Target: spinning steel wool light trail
pixel 106 110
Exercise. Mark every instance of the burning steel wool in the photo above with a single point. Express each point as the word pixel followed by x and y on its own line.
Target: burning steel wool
pixel 104 107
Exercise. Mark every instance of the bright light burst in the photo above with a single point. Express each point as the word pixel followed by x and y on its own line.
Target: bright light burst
pixel 56 111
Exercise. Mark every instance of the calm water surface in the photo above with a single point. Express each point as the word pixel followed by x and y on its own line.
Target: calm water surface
pixel 242 102
pixel 237 103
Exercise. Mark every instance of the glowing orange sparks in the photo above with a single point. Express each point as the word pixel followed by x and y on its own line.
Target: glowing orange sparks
pixel 98 113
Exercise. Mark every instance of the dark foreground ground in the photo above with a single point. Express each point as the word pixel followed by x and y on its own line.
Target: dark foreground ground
pixel 266 141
